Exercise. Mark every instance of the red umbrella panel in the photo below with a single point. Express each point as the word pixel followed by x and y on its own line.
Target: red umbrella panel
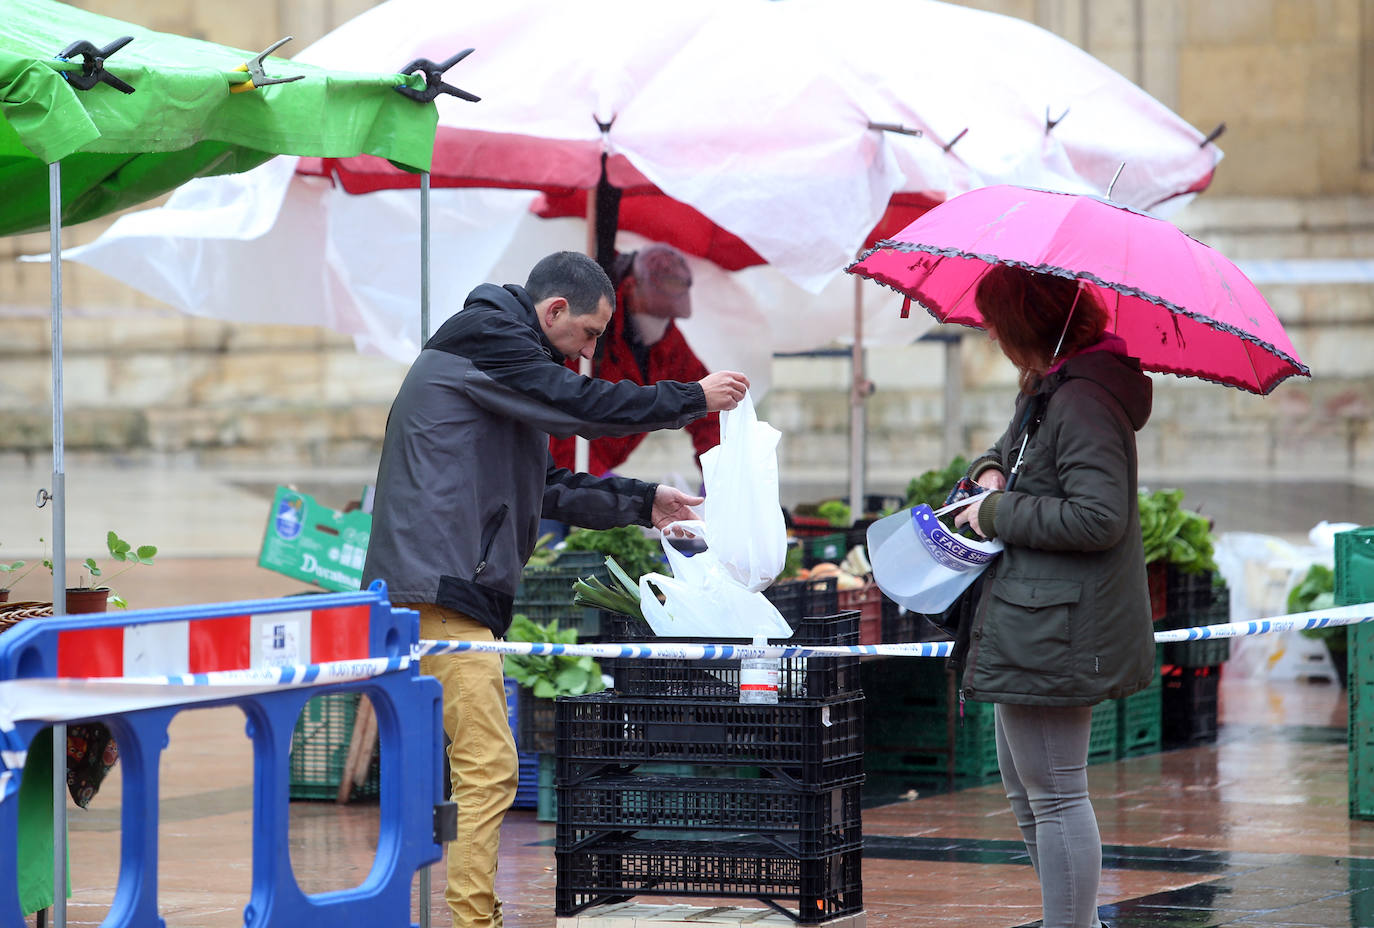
pixel 1182 307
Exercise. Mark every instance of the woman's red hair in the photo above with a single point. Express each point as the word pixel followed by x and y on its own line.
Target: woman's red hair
pixel 1027 311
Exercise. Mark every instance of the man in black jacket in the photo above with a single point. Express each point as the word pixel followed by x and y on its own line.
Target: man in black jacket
pixel 464 478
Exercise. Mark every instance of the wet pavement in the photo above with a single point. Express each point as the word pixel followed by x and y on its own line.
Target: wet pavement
pixel 1250 831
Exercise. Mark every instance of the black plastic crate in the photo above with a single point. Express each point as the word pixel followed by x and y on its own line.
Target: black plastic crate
pixel 1205 652
pixel 902 626
pixel 1185 594
pixel 1188 705
pixel 535 723
pixel 797 599
pixel 545 594
pixel 807 743
pixel 810 889
pixel 801 822
pixel 798 678
pixel 902 684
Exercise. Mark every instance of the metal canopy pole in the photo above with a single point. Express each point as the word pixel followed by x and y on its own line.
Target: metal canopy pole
pixel 582 449
pixel 58 497
pixel 424 337
pixel 954 443
pixel 857 414
pixel 424 258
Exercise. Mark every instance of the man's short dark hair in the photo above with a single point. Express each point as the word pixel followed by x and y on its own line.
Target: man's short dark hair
pixel 573 276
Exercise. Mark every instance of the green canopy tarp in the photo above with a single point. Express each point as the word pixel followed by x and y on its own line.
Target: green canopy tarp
pixel 181 122
pixel 115 150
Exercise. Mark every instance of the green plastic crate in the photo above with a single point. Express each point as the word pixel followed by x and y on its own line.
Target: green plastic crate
pixel 546 809
pixel 1361 720
pixel 545 594
pixel 906 742
pixel 319 750
pixel 914 742
pixel 588 562
pixel 820 548
pixel 1354 583
pixel 1139 722
pixel 1102 747
pixel 1139 717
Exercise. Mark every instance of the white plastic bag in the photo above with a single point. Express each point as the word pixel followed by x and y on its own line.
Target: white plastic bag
pixel 744 523
pixel 703 600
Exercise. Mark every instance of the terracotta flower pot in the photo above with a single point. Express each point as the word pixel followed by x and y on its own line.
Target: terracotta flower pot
pixel 4 596
pixel 83 600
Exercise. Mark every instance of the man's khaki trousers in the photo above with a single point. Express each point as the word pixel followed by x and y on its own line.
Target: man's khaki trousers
pixel 482 761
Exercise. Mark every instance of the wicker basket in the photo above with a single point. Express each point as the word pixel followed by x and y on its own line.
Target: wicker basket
pixel 13 613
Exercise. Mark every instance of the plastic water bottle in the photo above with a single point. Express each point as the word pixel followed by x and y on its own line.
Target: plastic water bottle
pixel 758 677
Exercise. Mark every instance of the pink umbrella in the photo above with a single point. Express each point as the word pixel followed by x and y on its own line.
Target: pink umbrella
pixel 1182 307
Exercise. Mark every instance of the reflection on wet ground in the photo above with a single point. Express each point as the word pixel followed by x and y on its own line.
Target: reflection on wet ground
pixel 1252 830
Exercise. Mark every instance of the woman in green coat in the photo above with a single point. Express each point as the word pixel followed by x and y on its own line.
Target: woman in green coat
pixel 1063 620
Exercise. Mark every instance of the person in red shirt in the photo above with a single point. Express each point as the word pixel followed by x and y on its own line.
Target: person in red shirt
pixel 643 345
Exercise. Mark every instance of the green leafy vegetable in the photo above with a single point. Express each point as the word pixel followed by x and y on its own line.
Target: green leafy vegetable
pixel 621 595
pixel 1317 590
pixel 933 486
pixel 637 554
pixel 1176 535
pixel 793 563
pixel 549 676
pixel 835 512
pixel 543 554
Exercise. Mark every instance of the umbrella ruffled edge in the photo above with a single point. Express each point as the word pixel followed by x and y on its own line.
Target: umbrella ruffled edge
pixel 1300 369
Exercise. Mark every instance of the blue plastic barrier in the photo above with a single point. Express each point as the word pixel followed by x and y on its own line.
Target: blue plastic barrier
pixel 236 636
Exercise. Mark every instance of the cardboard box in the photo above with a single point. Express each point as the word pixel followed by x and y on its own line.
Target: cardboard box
pixel 311 542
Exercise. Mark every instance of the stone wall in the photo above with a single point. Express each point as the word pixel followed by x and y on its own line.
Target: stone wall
pixel 145 384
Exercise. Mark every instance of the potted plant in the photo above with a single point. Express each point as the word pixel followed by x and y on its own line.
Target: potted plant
pixel 8 581
pixel 121 552
pixel 86 596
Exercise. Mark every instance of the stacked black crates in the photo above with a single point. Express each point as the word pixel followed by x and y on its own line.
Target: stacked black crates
pixel 1192 669
pixel 745 801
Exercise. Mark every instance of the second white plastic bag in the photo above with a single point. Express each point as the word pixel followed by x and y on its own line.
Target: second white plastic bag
pixel 703 600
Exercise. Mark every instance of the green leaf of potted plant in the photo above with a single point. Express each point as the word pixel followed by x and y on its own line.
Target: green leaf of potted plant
pixel 124 553
pixel 10 575
pixel 84 597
